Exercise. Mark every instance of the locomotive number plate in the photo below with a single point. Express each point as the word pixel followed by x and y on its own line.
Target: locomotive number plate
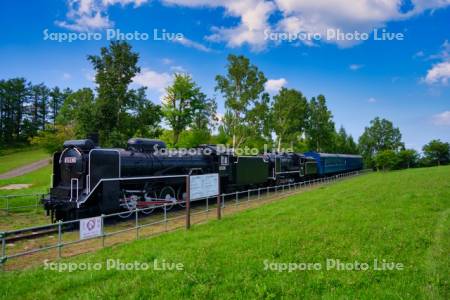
pixel 70 160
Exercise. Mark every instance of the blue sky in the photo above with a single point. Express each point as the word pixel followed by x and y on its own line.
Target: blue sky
pixel 405 81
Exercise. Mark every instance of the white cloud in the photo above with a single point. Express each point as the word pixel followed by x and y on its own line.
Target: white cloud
pixel 66 76
pixel 191 44
pixel 442 118
pixel 439 73
pixel 355 67
pixel 91 15
pixel 254 17
pixel 372 100
pixel 167 61
pixel 178 69
pixel 153 80
pixel 274 85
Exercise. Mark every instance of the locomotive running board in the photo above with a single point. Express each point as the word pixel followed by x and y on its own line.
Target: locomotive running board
pixel 125 179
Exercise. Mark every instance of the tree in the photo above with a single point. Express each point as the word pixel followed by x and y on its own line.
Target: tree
pixel 14 95
pixel 407 158
pixel 57 98
pixel 181 103
pixel 144 117
pixel 289 112
pixel 79 112
pixel 385 160
pixel 242 88
pixel 344 143
pixel 437 152
pixel 52 139
pixel 320 130
pixel 39 107
pixel 380 135
pixel 205 114
pixel 115 68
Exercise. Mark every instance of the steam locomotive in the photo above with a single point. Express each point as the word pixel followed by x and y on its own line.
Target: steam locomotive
pixel 88 180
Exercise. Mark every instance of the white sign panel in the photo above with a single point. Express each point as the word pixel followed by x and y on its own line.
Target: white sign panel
pixel 90 227
pixel 202 186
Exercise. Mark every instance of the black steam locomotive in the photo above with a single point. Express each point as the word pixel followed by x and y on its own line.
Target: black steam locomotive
pixel 88 180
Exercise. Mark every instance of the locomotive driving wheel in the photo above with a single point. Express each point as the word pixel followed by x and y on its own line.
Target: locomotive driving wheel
pixel 148 198
pixel 181 195
pixel 168 194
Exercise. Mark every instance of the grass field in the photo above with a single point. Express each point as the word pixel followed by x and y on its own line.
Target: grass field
pixel 400 217
pixel 15 158
pixel 24 217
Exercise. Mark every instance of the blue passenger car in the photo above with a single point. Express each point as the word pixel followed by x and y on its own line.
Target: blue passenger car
pixel 328 164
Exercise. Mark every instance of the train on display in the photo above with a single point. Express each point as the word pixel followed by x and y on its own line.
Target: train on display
pixel 88 180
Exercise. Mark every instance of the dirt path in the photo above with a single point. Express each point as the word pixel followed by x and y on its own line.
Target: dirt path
pixel 25 169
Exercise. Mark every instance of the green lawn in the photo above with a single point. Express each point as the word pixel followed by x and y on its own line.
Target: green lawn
pixel 20 157
pixel 400 217
pixel 40 183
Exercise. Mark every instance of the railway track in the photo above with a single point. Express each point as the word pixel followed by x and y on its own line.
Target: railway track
pixel 29 234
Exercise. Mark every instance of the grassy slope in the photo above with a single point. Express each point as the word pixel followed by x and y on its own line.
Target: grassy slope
pixel 398 216
pixel 20 157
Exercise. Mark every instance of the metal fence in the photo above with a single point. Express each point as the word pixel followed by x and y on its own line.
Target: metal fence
pixel 20 202
pixel 50 241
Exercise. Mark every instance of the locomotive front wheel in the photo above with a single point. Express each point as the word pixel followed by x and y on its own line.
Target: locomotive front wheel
pixel 128 204
pixel 168 194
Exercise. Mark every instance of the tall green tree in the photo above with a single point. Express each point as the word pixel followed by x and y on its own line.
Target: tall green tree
pixel 115 68
pixel 289 113
pixel 344 143
pixel 182 101
pixel 40 95
pixel 144 117
pixel 320 130
pixel 78 112
pixel 437 152
pixel 57 98
pixel 14 96
pixel 380 135
pixel 243 89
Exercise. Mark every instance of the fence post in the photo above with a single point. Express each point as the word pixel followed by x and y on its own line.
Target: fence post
pixel 207 208
pixel 237 200
pixel 103 230
pixel 259 193
pixel 137 223
pixel 248 195
pixel 165 217
pixel 219 206
pixel 3 257
pixel 188 203
pixel 59 238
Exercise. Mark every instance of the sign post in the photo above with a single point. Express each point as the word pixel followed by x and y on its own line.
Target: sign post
pixel 202 187
pixel 91 227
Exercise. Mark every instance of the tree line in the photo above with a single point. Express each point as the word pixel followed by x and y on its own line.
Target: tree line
pixel 188 117
pixel 26 109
